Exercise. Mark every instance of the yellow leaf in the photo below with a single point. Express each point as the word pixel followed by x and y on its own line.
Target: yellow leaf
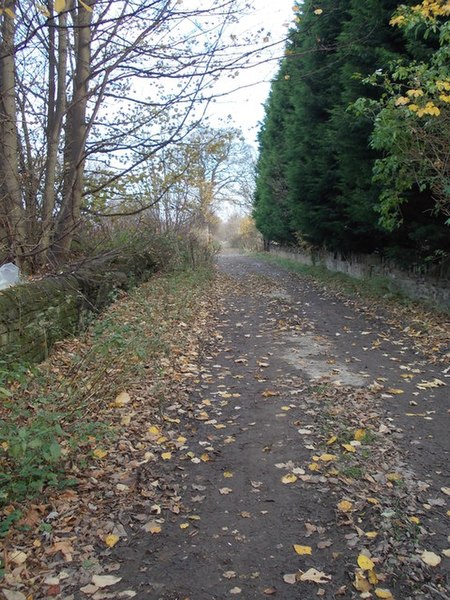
pixel 373 577
pixel 373 501
pixel 430 558
pixel 393 477
pixel 349 447
pixel 154 430
pixel 301 550
pixel 228 474
pixel 332 439
pixel 220 426
pixel 313 467
pixel 359 434
pixel 125 420
pixel 371 534
pixel 122 399
pixel 318 11
pixel 181 439
pixel 396 391
pixel 415 520
pixel 99 453
pixel 327 457
pixel 153 528
pixel 286 408
pixel 365 563
pixel 269 393
pixel 59 5
pixel 206 402
pixel 184 525
pixel 290 478
pixel 85 6
pixel 205 457
pixel 166 455
pixel 361 583
pixel 383 593
pixel 345 506
pixel 111 540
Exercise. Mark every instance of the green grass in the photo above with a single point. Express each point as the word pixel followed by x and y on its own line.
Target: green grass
pixel 370 288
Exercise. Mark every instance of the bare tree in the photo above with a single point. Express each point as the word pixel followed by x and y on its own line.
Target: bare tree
pixel 91 86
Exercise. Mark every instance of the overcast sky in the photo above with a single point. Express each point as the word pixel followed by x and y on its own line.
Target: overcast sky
pixel 246 104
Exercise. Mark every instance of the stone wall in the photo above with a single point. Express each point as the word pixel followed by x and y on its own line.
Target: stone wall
pixel 35 315
pixel 418 282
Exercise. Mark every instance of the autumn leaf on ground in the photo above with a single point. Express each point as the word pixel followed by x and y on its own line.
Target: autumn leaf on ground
pixel 395 391
pixel 301 550
pixel 383 593
pixel 166 455
pixel 228 474
pixel 102 581
pixel 345 506
pixel 314 576
pixel 360 434
pixel 430 558
pixel 290 578
pixel 365 563
pixel 290 478
pixel 111 540
pixel 122 399
pixel 224 491
pixel 152 527
pixel 99 453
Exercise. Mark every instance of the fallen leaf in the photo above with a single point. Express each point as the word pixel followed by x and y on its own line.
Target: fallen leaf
pixel 166 455
pixel 332 439
pixel 345 506
pixel 349 447
pixel 102 581
pixel 228 474
pixel 446 490
pixel 360 434
pixel 395 391
pixel 361 584
pixel 224 491
pixel 11 595
pixel 245 514
pixel 371 534
pixel 290 578
pixel 270 591
pixel 235 590
pixel 17 557
pixel 184 525
pixel 229 574
pixel 327 457
pixel 152 527
pixel 383 593
pixel 122 399
pixel 99 453
pixel 154 430
pixel 430 558
pixel 290 478
pixel 111 540
pixel 314 576
pixel 365 563
pixel 301 550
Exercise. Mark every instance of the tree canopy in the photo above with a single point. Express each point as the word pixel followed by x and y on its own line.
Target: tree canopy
pixel 352 150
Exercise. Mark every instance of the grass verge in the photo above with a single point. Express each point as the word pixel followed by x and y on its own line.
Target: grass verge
pixel 56 417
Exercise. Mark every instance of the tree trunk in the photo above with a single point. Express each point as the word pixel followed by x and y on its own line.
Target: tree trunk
pixel 12 216
pixel 56 109
pixel 75 137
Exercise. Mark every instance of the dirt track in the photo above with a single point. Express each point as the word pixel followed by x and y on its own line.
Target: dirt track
pixel 290 368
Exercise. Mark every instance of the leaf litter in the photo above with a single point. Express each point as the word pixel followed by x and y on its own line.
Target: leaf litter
pixel 374 515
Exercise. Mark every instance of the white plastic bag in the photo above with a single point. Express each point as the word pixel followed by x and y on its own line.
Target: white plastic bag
pixel 9 275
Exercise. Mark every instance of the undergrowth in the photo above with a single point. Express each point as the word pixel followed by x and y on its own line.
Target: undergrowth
pixel 54 415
